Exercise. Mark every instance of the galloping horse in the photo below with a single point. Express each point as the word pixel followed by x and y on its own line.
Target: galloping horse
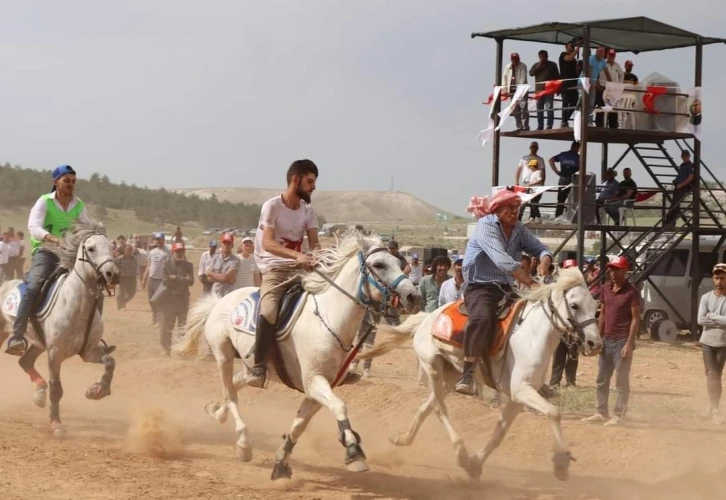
pixel 68 318
pixel 561 310
pixel 315 335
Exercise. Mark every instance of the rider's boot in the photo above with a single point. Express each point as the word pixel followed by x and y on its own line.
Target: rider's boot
pixel 466 383
pixel 264 337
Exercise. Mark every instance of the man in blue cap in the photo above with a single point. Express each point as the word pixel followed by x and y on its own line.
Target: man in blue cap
pixel 49 218
pixel 205 262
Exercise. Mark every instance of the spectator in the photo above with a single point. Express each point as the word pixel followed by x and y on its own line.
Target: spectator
pixel 544 71
pixel 608 193
pixel 393 250
pixel 618 322
pixel 627 193
pixel 534 179
pixel 629 76
pixel 205 262
pixel 568 73
pixel 570 165
pixel 712 317
pixel 178 275
pixel 5 272
pixel 224 268
pixel 612 72
pixel 522 170
pixel 682 186
pixel 128 265
pixel 142 254
pixel 153 275
pixel 20 271
pixel 248 273
pixel 416 272
pixel 515 73
pixel 453 288
pixel 178 236
pixel 13 255
pixel 430 286
pixel 596 64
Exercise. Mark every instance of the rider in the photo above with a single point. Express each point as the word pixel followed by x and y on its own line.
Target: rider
pixel 51 215
pixel 284 222
pixel 491 264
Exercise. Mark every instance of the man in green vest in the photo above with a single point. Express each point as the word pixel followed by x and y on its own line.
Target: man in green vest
pixel 51 215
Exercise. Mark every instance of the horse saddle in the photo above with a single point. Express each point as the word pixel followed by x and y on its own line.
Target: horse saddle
pixel 244 316
pixel 449 326
pixel 46 298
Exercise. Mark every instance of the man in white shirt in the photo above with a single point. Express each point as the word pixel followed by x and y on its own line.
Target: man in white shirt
pixel 515 73
pixel 49 218
pixel 13 256
pixel 285 220
pixel 612 72
pixel 205 261
pixel 153 275
pixel 248 274
pixel 416 272
pixel 453 288
pixel 712 317
pixel 6 272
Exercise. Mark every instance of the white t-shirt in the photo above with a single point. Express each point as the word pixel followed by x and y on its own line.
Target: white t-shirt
pixel 289 226
pixel 524 169
pixel 4 252
pixel 246 271
pixel 533 177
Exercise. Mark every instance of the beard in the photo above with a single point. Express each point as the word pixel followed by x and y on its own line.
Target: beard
pixel 304 196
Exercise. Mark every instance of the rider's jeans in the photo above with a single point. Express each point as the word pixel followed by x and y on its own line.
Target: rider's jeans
pixel 42 265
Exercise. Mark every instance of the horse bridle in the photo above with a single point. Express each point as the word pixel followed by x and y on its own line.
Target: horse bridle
pixel 96 291
pixel 573 335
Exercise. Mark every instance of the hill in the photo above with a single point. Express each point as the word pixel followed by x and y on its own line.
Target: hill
pixel 338 206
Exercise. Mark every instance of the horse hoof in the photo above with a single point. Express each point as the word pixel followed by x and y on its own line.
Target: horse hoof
pixel 58 430
pixel 282 483
pixel 358 465
pixel 474 469
pixel 399 440
pixel 244 454
pixel 97 391
pixel 281 472
pixel 212 409
pixel 562 465
pixel 39 398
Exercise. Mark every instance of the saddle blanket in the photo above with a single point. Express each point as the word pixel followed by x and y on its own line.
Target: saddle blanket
pixel 449 326
pixel 12 301
pixel 244 317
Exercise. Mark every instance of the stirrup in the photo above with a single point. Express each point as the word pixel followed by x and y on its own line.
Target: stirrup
pixel 107 349
pixel 14 344
pixel 257 380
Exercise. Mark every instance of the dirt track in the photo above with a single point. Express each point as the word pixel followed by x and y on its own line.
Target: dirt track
pixel 157 408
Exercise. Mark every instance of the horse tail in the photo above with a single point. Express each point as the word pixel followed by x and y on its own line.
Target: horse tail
pixel 188 344
pixel 400 334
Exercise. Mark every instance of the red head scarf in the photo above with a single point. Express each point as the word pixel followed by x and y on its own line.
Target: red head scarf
pixel 481 206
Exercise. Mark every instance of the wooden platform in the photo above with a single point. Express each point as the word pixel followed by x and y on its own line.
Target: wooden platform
pixel 600 135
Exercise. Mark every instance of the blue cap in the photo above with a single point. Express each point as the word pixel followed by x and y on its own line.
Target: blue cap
pixel 414 256
pixel 60 171
pixel 158 236
pixel 213 243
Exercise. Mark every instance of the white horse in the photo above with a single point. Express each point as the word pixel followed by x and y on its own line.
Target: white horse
pixel 348 278
pixel 70 322
pixel 561 310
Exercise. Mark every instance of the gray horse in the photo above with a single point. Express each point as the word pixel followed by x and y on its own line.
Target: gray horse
pixel 70 321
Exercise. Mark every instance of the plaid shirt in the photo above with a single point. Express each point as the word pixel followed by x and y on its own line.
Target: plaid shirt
pixel 128 266
pixel 491 258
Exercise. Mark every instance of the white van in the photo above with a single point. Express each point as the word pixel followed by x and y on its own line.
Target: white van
pixel 673 279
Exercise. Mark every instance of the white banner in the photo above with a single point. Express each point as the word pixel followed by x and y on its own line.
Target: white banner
pixel 518 95
pixel 611 95
pixel 577 127
pixel 585 82
pixel 488 133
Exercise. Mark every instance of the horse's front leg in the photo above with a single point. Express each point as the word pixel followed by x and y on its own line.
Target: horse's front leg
pixel 282 471
pixel 525 394
pixel 319 389
pixel 101 389
pixel 27 363
pixel 56 393
pixel 506 418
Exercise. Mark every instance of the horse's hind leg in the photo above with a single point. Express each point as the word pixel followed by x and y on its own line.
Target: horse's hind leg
pixel 101 389
pixel 27 363
pixel 525 394
pixel 307 410
pixel 319 389
pixel 56 393
pixel 422 411
pixel 506 417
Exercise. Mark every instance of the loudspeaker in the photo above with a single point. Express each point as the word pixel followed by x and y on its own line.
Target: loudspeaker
pixel 431 253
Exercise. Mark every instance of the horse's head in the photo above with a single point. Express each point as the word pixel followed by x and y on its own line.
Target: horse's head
pixel 96 252
pixel 382 278
pixel 579 311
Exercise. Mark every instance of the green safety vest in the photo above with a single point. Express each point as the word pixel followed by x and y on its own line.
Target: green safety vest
pixel 56 220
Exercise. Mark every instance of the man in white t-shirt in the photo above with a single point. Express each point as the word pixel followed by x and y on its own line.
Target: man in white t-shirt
pixel 285 220
pixel 5 272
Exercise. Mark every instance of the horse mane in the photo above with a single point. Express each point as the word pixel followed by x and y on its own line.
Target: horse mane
pixel 67 251
pixel 568 278
pixel 332 259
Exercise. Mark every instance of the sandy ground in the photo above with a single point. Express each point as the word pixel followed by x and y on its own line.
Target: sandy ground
pixel 151 439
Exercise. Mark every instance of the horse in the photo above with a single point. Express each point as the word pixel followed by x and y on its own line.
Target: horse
pixel 562 310
pixel 314 349
pixel 68 321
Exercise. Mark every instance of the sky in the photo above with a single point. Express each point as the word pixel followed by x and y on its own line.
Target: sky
pixel 182 93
